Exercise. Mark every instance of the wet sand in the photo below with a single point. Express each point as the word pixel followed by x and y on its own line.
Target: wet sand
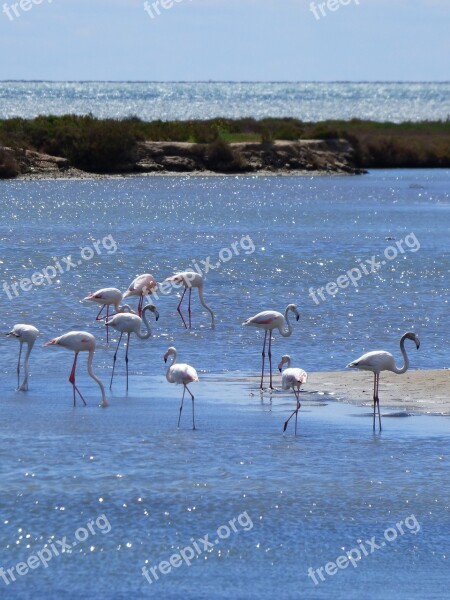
pixel 420 392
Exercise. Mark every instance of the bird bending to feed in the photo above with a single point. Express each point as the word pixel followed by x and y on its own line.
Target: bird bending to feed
pixel 181 373
pixel 142 286
pixel 270 320
pixel 292 378
pixel 25 334
pixel 190 279
pixel 108 297
pixel 378 361
pixel 80 341
pixel 129 323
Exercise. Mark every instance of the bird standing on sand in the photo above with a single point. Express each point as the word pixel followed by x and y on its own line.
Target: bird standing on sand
pixel 142 286
pixel 80 341
pixel 25 334
pixel 190 279
pixel 108 297
pixel 130 323
pixel 181 373
pixel 378 361
pixel 292 378
pixel 270 320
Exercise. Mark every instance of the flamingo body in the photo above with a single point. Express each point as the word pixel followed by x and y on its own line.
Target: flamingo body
pixel 25 334
pixel 181 373
pixel 379 360
pixel 142 286
pixel 80 341
pixel 191 279
pixel 108 297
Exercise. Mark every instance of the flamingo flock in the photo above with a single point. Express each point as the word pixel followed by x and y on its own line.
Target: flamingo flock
pixel 125 320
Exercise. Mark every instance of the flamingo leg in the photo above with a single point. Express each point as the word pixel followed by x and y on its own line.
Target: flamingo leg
pixel 192 397
pixel 126 357
pixel 374 397
pixel 179 308
pixel 18 365
pixel 189 308
pixel 114 360
pixel 107 327
pixel 270 359
pixel 378 402
pixel 72 381
pixel 263 359
pixel 181 406
pixel 141 302
pixel 98 317
pixel 294 412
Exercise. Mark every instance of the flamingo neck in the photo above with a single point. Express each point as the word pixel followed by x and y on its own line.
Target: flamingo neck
pixel 95 378
pixel 174 360
pixel 286 332
pixel 145 336
pixel 405 366
pixel 202 301
pixel 27 356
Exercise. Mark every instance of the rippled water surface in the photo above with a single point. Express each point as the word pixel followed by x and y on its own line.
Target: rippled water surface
pixel 151 100
pixel 307 500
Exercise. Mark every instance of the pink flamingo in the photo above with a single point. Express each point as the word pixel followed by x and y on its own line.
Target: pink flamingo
pixel 378 361
pixel 292 378
pixel 108 297
pixel 190 279
pixel 181 373
pixel 25 334
pixel 130 323
pixel 270 320
pixel 142 286
pixel 80 341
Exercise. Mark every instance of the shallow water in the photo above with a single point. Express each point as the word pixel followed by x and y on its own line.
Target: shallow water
pixel 308 499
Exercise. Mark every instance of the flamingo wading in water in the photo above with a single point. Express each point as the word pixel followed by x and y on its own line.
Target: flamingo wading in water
pixel 292 378
pixel 181 373
pixel 270 320
pixel 108 297
pixel 25 334
pixel 378 361
pixel 80 341
pixel 142 286
pixel 129 323
pixel 190 279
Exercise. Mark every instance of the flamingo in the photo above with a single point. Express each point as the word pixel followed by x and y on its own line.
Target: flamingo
pixel 130 323
pixel 378 361
pixel 181 373
pixel 142 286
pixel 292 378
pixel 270 320
pixel 190 279
pixel 108 297
pixel 25 334
pixel 80 341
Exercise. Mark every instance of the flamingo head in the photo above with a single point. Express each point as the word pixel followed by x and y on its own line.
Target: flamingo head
pixel 52 342
pixel 412 336
pixel 293 308
pixel 285 359
pixel 152 309
pixel 170 352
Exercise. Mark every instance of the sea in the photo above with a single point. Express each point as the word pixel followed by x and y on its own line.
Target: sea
pixel 119 503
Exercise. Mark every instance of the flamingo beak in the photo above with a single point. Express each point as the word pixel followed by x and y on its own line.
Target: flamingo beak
pixel 279 368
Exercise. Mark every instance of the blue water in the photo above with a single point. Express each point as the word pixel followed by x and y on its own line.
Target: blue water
pixel 151 100
pixel 308 499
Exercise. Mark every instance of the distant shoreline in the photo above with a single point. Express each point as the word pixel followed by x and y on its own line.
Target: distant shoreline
pixel 81 146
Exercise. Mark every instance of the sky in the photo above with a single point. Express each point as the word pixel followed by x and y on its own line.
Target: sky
pixel 225 40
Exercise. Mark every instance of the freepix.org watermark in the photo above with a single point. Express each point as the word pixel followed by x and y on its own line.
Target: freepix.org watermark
pixel 371 265
pixel 364 549
pixel 54 548
pixel 153 8
pixel 15 9
pixel 186 555
pixel 60 266
pixel 322 9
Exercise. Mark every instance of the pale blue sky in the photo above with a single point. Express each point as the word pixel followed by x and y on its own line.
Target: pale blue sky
pixel 263 40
